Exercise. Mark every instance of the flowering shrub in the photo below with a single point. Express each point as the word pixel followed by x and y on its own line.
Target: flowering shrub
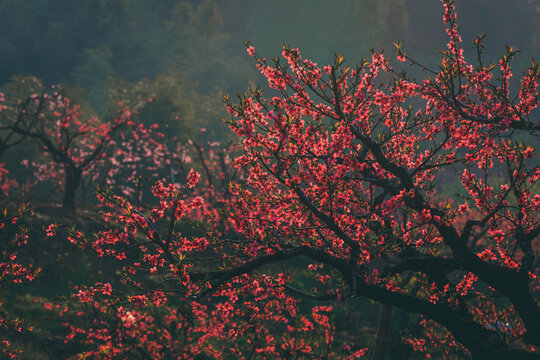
pixel 12 270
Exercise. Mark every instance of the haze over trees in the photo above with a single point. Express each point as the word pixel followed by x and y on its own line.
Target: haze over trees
pixel 381 207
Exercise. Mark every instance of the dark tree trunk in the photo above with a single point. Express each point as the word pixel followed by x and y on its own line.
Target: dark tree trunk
pixel 398 350
pixel 72 183
pixel 383 333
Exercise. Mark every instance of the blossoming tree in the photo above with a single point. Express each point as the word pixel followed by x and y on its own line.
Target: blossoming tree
pixel 347 170
pixel 76 148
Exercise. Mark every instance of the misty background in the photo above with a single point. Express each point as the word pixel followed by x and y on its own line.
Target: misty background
pixel 187 53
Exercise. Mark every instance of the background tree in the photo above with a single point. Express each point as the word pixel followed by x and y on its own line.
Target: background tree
pixel 75 145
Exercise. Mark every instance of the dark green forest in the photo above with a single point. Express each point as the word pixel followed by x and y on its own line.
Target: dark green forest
pixel 92 46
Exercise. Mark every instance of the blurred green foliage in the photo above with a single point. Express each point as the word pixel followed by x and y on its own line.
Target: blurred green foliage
pixel 86 43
